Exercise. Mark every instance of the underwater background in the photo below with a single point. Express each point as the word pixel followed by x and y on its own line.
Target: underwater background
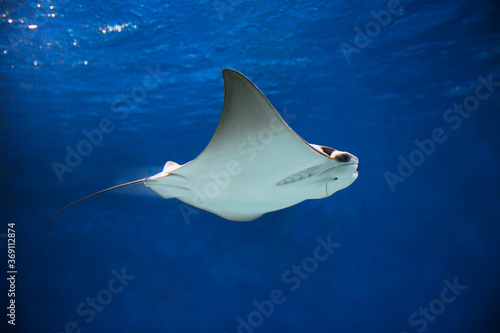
pixel 97 93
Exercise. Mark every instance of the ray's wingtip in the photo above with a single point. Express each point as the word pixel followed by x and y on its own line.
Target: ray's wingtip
pixel 229 71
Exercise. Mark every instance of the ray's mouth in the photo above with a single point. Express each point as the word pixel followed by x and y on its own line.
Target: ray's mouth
pixel 355 171
pixel 343 165
pixel 346 165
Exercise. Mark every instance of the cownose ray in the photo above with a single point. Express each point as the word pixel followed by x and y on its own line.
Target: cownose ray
pixel 254 163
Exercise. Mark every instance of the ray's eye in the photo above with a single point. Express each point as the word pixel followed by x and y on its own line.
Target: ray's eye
pixel 328 150
pixel 343 158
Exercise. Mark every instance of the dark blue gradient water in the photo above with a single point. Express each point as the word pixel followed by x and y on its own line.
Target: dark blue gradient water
pixel 412 88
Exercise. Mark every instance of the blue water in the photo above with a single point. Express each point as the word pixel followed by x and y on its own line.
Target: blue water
pixel 414 249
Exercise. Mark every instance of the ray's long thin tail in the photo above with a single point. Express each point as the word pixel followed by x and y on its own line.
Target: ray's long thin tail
pixel 90 196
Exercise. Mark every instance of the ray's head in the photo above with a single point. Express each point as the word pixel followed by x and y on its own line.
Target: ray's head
pixel 343 171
